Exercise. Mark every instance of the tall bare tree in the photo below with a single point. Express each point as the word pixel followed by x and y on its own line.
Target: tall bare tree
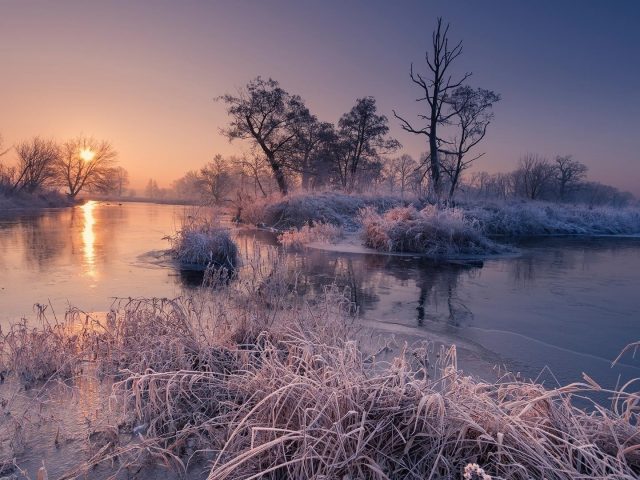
pixel 269 116
pixel 37 159
pixel 569 174
pixel 85 163
pixel 435 88
pixel 473 113
pixel 362 138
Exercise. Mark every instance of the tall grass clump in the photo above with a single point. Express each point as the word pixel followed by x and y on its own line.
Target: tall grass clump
pixel 433 231
pixel 297 238
pixel 541 218
pixel 200 244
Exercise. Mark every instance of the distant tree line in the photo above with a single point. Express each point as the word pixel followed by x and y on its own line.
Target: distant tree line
pixel 79 164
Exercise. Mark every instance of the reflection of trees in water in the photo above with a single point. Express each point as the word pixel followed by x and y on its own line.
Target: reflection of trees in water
pixel 438 283
pixel 46 238
pixel 365 276
pixel 42 238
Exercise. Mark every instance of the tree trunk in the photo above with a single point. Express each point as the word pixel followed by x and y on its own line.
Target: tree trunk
pixel 279 175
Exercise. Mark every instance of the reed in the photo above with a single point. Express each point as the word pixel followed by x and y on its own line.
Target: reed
pixel 260 383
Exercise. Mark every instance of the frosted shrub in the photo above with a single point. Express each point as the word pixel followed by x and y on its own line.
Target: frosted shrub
pixel 320 232
pixel 433 231
pixel 201 244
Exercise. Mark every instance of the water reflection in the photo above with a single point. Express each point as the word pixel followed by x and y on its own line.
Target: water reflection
pixel 571 304
pixel 88 239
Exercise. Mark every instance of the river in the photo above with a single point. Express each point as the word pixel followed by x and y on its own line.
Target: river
pixel 562 307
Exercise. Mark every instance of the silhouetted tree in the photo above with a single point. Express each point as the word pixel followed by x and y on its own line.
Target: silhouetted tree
pixel 315 143
pixel 533 177
pixel 114 181
pixel 569 174
pixel 85 163
pixel 472 114
pixel 436 87
pixel 362 138
pixel 269 116
pixel 36 167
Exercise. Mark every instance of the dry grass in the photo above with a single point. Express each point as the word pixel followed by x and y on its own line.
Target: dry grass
pixel 433 231
pixel 296 239
pixel 200 244
pixel 263 384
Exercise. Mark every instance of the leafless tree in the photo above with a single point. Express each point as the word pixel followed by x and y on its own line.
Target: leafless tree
pixel 400 171
pixel 37 159
pixel 435 88
pixel 569 174
pixel 216 179
pixel 533 176
pixel 85 163
pixel 472 110
pixel 114 181
pixel 269 116
pixel 362 138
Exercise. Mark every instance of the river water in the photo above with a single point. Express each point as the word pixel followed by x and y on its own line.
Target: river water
pixel 562 307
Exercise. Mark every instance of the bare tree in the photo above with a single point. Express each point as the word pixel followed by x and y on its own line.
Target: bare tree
pixel 269 116
pixel 36 167
pixel 400 171
pixel 6 150
pixel 569 174
pixel 436 87
pixel 85 163
pixel 533 177
pixel 216 179
pixel 472 110
pixel 113 182
pixel 363 137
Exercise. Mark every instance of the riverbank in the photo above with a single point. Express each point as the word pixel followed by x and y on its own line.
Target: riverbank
pixel 20 202
pixel 467 230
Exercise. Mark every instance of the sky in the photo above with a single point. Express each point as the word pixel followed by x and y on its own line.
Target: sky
pixel 144 75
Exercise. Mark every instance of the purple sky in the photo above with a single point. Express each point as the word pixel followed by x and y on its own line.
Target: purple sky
pixel 144 74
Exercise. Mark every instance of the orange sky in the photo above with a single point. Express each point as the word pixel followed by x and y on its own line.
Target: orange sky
pixel 144 74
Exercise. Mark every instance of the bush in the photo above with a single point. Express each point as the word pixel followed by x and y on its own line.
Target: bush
pixel 320 232
pixel 304 208
pixel 432 231
pixel 201 244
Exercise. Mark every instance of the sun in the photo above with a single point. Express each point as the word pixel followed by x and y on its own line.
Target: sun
pixel 86 154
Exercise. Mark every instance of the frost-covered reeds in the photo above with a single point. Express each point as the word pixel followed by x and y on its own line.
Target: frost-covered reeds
pixel 300 208
pixel 433 231
pixel 297 238
pixel 258 382
pixel 521 219
pixel 200 244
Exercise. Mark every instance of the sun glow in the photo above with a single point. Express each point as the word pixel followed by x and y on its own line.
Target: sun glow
pixel 89 238
pixel 87 154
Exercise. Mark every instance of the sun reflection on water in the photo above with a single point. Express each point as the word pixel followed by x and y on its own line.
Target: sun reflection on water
pixel 89 238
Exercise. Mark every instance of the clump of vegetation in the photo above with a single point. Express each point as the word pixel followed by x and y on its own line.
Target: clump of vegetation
pixel 320 232
pixel 202 244
pixel 298 209
pixel 433 231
